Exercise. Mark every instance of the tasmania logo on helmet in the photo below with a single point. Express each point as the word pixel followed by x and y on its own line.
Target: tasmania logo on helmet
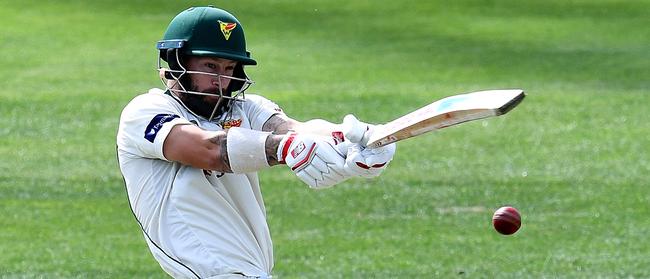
pixel 226 28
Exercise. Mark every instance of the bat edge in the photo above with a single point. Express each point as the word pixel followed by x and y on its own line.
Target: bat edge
pixel 511 104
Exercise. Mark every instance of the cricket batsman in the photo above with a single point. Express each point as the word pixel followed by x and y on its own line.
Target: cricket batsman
pixel 190 153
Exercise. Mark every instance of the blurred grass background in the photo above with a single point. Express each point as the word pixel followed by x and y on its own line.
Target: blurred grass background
pixel 573 158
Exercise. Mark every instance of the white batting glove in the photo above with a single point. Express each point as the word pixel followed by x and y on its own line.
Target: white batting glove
pixel 314 159
pixel 362 161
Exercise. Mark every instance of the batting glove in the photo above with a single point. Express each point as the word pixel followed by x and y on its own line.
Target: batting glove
pixel 362 161
pixel 314 159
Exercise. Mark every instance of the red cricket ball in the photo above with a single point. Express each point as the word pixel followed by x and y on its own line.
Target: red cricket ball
pixel 506 220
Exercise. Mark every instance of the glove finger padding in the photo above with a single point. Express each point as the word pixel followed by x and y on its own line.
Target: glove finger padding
pixel 317 168
pixel 361 161
pixel 314 160
pixel 356 131
pixel 366 162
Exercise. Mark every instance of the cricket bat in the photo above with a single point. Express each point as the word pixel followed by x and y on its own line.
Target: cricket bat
pixel 443 113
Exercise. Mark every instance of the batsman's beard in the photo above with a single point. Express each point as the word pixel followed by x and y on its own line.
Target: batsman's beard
pixel 204 105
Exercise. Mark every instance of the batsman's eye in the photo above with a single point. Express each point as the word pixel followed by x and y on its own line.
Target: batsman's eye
pixel 211 66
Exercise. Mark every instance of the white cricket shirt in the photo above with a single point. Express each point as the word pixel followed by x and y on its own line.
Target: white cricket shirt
pixel 197 223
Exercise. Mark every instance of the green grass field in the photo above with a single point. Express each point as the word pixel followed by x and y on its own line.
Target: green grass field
pixel 573 157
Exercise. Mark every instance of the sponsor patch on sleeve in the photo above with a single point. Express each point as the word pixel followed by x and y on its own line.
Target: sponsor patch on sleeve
pixel 156 124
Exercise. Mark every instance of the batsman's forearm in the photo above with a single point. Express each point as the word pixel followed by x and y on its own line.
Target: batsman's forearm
pixel 220 153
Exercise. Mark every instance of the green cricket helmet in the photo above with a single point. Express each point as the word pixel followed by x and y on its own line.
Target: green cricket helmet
pixel 212 32
pixel 207 31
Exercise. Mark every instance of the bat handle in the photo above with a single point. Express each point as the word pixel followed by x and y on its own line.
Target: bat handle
pixel 355 131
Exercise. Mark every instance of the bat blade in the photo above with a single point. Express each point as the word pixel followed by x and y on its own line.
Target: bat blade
pixel 447 112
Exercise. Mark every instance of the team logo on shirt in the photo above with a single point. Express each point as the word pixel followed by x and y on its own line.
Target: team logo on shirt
pixel 226 28
pixel 231 123
pixel 156 124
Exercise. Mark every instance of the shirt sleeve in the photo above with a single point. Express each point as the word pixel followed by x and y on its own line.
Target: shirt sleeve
pixel 145 123
pixel 259 110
